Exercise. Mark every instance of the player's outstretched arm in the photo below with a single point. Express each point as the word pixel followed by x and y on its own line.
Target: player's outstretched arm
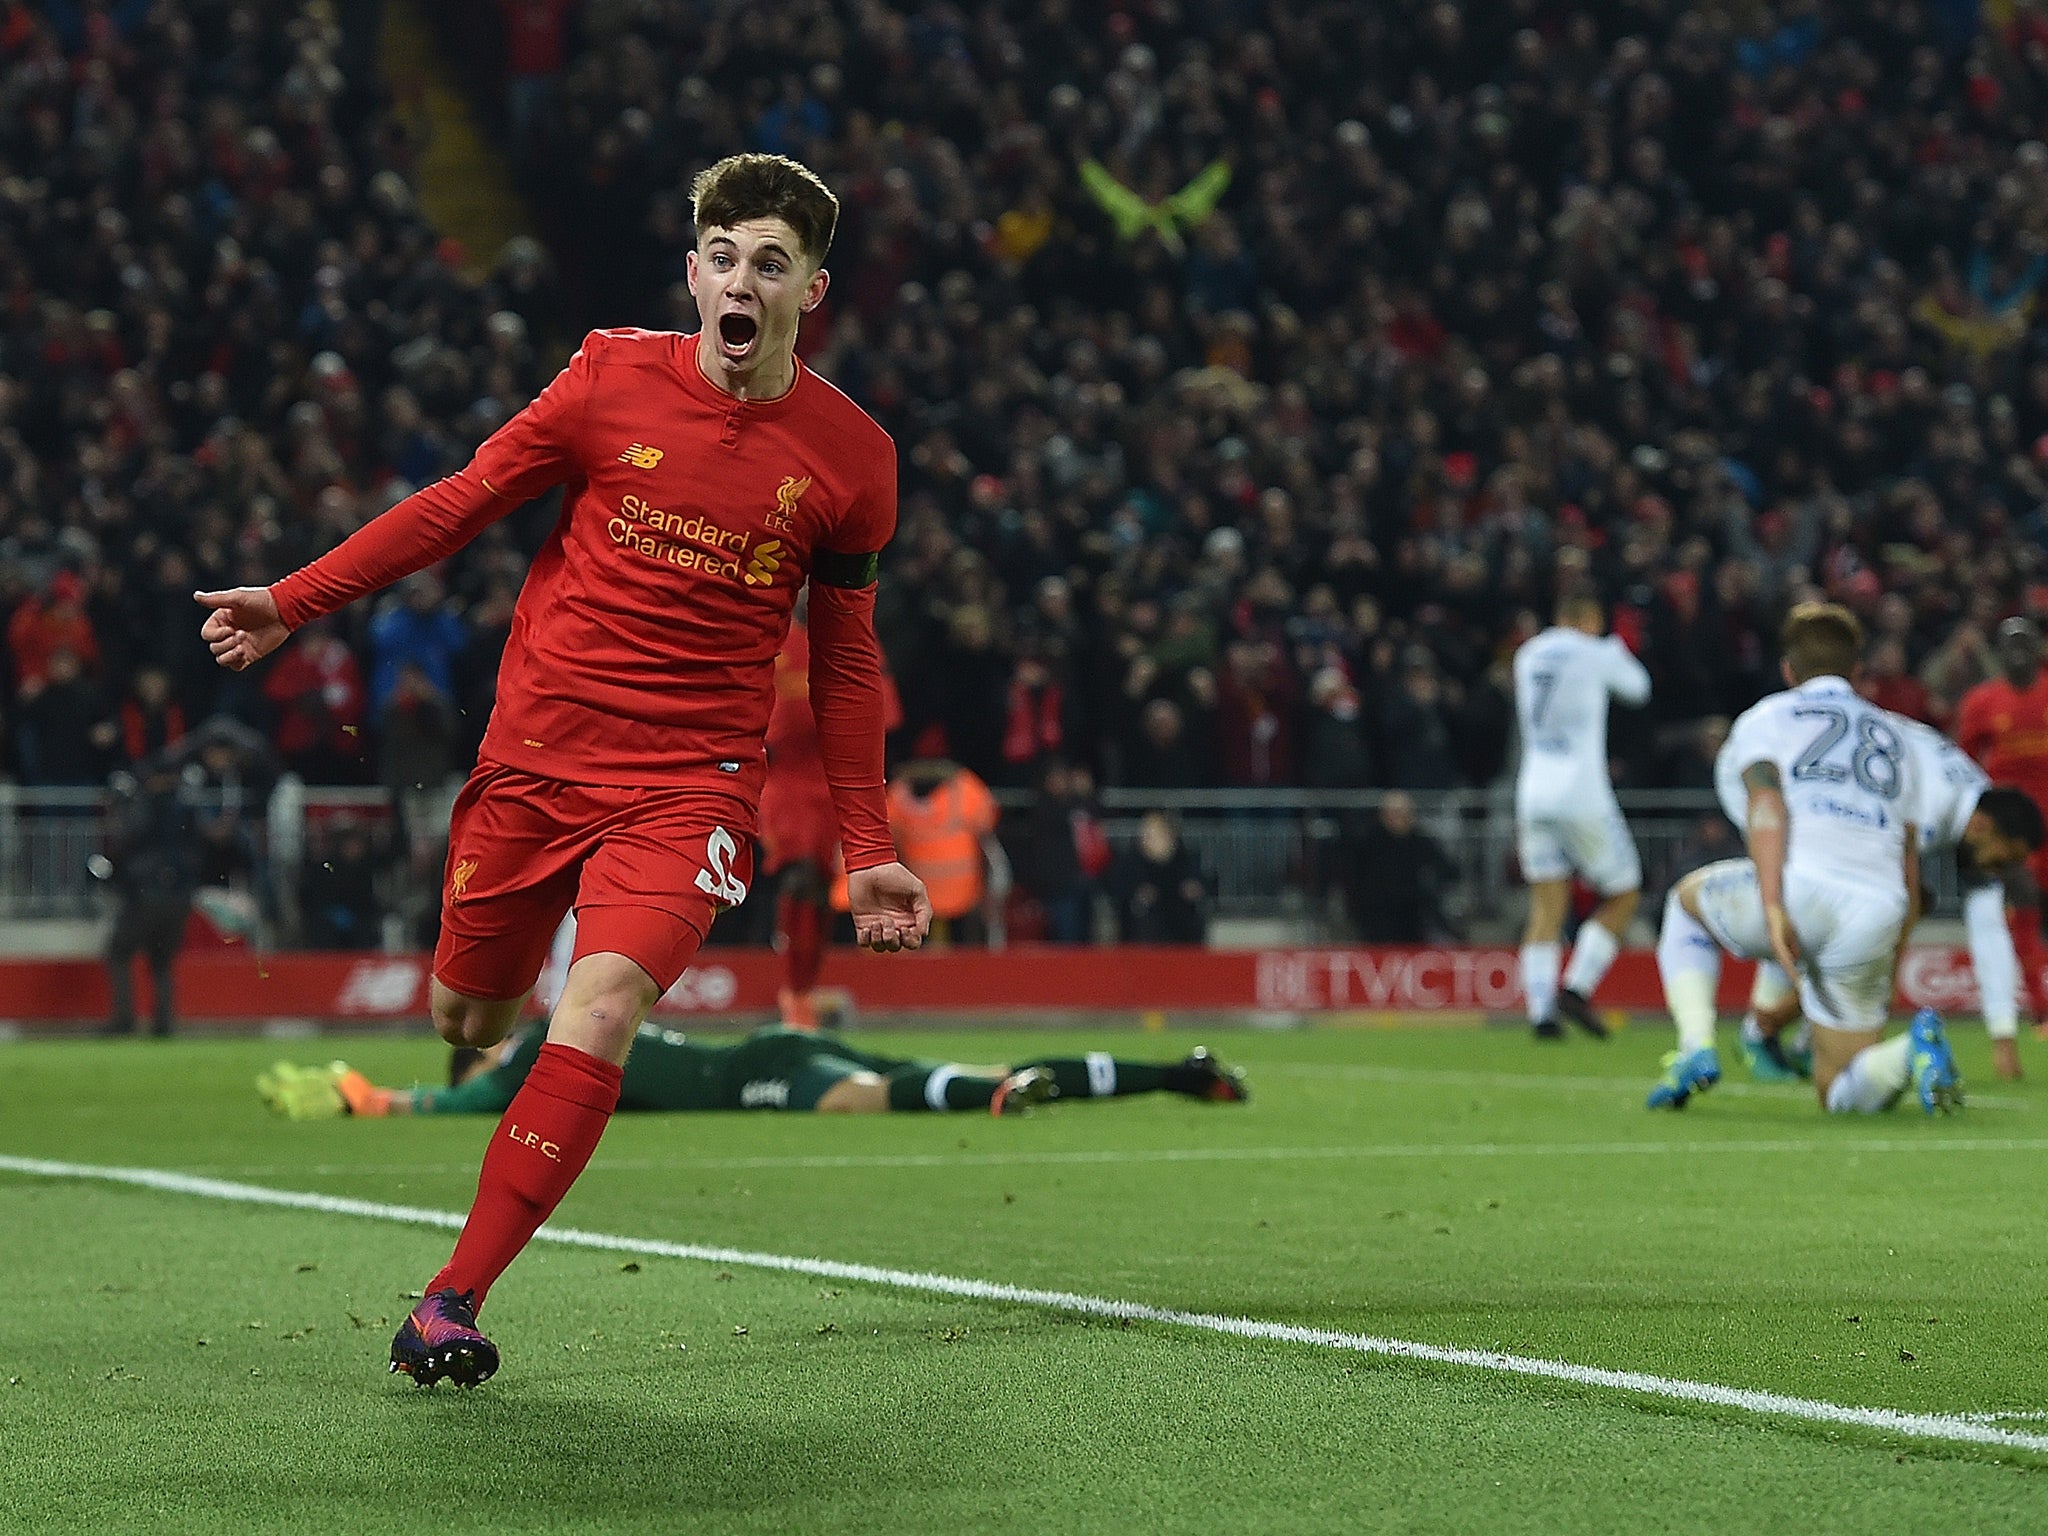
pixel 889 906
pixel 532 451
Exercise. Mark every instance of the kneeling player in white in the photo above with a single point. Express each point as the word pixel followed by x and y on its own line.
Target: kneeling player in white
pixel 1566 817
pixel 1827 792
pixel 1992 831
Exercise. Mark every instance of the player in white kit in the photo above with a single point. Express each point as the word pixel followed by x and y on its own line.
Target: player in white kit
pixel 1827 792
pixel 1992 831
pixel 1566 817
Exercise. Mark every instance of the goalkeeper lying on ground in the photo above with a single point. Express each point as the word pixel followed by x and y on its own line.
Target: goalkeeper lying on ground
pixel 768 1069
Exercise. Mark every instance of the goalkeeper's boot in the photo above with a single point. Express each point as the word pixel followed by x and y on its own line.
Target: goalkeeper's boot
pixel 362 1096
pixel 1576 1007
pixel 302 1093
pixel 1023 1090
pixel 1933 1065
pixel 1685 1074
pixel 439 1341
pixel 1766 1056
pixel 1202 1076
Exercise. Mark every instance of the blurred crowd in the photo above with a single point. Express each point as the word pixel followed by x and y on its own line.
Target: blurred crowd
pixel 227 339
pixel 1261 369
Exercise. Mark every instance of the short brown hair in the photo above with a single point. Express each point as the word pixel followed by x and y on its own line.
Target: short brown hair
pixel 1821 640
pixel 742 187
pixel 1580 603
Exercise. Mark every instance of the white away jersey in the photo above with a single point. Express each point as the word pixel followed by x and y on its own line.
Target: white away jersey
pixel 1850 780
pixel 1563 679
pixel 1950 783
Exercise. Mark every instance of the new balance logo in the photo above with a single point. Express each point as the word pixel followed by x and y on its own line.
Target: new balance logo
pixel 765 561
pixel 640 456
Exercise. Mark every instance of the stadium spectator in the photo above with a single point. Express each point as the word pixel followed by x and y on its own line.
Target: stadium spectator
pixel 338 907
pixel 535 50
pixel 153 864
pixel 1333 748
pixel 1394 877
pixel 152 722
pixel 944 821
pixel 67 730
pixel 48 622
pixel 417 630
pixel 317 690
pixel 1069 852
pixel 1257 716
pixel 1415 727
pixel 1887 684
pixel 1161 756
pixel 1162 892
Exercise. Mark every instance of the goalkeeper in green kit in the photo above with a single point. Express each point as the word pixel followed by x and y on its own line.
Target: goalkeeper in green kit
pixel 781 1069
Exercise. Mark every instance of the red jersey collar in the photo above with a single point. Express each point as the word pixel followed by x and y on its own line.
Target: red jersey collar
pixel 704 389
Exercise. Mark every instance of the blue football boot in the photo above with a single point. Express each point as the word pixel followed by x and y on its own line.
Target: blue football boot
pixel 1933 1065
pixel 1685 1074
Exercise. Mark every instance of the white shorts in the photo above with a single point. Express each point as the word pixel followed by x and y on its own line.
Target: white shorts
pixel 1594 842
pixel 1848 935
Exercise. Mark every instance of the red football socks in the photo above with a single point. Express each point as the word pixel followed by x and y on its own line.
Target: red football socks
pixel 803 941
pixel 537 1151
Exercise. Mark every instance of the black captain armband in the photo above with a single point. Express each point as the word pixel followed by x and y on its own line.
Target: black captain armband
pixel 853 572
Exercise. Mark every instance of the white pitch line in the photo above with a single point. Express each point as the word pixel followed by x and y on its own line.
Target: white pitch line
pixel 1950 1428
pixel 1396 1152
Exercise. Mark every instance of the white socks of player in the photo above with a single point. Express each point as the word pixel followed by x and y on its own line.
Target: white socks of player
pixel 1690 962
pixel 1539 979
pixel 1873 1079
pixel 1771 987
pixel 1993 958
pixel 1592 957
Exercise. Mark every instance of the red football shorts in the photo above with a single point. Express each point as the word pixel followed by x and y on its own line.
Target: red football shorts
pixel 646 870
pixel 798 824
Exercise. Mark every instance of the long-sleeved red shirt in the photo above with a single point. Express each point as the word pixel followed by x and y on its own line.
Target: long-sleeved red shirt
pixel 643 646
pixel 2006 730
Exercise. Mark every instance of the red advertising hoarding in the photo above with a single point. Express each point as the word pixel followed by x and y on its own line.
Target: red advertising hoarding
pixel 230 985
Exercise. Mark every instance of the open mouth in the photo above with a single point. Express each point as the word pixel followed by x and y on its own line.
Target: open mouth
pixel 736 334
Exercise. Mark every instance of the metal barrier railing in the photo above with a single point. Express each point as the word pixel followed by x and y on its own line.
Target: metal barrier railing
pixel 1272 854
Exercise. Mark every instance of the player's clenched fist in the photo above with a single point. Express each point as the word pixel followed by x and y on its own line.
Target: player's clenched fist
pixel 242 626
pixel 889 906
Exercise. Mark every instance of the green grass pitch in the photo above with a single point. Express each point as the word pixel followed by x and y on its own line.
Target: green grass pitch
pixel 170 1363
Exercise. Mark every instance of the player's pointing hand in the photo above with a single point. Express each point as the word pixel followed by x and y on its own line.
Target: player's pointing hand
pixel 242 626
pixel 890 908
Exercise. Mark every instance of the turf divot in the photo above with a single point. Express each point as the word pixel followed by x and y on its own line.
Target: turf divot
pixel 1963 1429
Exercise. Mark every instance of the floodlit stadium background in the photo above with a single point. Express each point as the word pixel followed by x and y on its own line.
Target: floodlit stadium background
pixel 1259 373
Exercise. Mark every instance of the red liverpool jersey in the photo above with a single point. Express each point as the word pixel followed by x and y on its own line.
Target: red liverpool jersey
pixel 795 762
pixel 2006 730
pixel 643 645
